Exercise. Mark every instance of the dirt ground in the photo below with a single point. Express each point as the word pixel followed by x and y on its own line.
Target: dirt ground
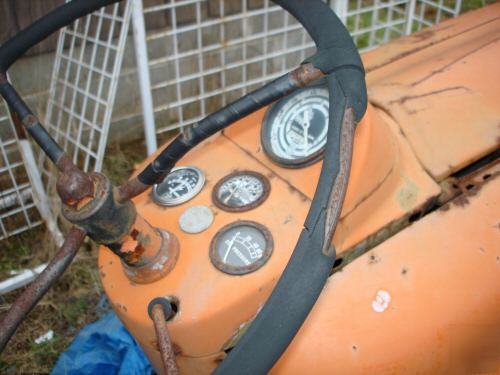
pixel 74 301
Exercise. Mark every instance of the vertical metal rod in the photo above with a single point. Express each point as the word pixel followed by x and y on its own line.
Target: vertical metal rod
pixel 141 55
pixel 164 342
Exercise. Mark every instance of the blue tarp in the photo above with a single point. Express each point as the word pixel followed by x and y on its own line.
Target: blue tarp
pixel 103 347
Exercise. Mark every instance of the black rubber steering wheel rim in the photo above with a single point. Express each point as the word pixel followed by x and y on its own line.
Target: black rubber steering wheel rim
pixel 312 260
pixel 307 271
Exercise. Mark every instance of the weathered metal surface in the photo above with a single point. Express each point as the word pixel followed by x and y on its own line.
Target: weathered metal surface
pixel 424 301
pixel 408 45
pixel 445 97
pixel 105 220
pixel 194 275
pixel 305 74
pixel 156 253
pixel 73 185
pixel 163 340
pixel 388 190
pixel 37 289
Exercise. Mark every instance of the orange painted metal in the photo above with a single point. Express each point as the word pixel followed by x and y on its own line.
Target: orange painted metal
pixel 447 104
pixel 441 285
pixel 425 301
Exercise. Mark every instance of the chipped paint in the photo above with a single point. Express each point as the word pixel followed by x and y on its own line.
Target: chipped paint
pixel 407 195
pixel 381 301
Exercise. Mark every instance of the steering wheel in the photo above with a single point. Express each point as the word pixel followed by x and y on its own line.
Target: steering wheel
pixel 108 216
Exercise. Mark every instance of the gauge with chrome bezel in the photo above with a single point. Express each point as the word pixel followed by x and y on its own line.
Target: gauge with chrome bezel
pixel 294 129
pixel 241 247
pixel 241 191
pixel 180 185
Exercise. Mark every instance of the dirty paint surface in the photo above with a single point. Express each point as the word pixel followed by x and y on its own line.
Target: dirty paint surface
pixel 401 286
pixel 427 302
pixel 445 97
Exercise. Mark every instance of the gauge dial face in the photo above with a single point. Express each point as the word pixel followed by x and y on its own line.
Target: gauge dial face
pixel 241 191
pixel 294 130
pixel 180 185
pixel 241 247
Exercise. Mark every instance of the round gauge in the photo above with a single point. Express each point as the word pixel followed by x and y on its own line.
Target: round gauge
pixel 241 247
pixel 180 185
pixel 241 191
pixel 294 130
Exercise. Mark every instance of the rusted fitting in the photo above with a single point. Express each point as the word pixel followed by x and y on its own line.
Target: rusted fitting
pixel 147 253
pixel 305 74
pixel 151 267
pixel 106 221
pixel 74 186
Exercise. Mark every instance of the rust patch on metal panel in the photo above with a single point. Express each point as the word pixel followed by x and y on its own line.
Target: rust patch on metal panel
pixel 337 195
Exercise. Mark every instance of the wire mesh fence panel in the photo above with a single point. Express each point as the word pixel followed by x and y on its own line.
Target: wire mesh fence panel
pixel 83 87
pixel 204 54
pixel 424 13
pixel 18 211
pixel 374 22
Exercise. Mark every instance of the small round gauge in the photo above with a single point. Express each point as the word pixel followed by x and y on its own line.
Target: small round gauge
pixel 241 191
pixel 241 247
pixel 180 185
pixel 294 129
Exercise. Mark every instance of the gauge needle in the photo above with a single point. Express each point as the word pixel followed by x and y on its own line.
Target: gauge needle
pixel 236 188
pixel 305 125
pixel 230 245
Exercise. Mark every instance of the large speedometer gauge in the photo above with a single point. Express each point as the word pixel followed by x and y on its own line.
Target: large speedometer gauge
pixel 180 185
pixel 294 130
pixel 241 247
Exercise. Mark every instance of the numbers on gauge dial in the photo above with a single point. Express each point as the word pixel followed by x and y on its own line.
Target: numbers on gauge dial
pixel 295 129
pixel 241 247
pixel 301 126
pixel 241 191
pixel 180 185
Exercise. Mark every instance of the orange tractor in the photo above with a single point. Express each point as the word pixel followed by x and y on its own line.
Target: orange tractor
pixel 322 232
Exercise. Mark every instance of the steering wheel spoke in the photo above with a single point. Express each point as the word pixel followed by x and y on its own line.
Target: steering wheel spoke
pixel 43 282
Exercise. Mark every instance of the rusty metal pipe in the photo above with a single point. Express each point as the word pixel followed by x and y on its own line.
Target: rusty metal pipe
pixel 37 289
pixel 164 342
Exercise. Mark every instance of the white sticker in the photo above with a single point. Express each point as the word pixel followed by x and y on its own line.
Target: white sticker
pixel 381 301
